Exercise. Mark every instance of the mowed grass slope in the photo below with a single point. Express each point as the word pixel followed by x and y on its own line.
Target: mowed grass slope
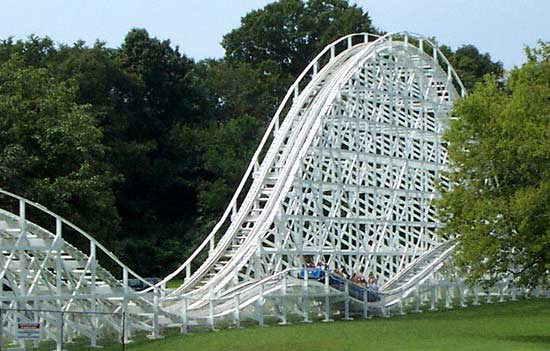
pixel 523 325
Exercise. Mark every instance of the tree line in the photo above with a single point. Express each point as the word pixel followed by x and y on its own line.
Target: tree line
pixel 142 146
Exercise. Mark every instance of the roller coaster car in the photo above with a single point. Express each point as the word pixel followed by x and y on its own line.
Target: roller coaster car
pixel 356 291
pixel 138 285
pixel 312 273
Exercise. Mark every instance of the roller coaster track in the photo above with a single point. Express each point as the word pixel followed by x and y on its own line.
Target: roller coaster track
pixel 229 263
pixel 346 172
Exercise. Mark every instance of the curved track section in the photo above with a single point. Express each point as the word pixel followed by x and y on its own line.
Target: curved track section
pixel 42 274
pixel 349 174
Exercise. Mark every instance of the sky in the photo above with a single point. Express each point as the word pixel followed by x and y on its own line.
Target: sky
pixel 500 27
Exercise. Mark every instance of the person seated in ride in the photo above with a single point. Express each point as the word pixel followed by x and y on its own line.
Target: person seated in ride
pixel 339 271
pixel 372 288
pixel 321 264
pixel 372 280
pixel 356 278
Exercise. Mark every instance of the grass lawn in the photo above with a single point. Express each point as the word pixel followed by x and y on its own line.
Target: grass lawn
pixel 523 325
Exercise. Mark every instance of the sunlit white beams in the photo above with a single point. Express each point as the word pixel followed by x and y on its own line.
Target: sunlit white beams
pixel 363 198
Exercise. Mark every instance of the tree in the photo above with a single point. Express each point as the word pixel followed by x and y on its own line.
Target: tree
pixel 471 66
pixel 291 32
pixel 499 204
pixel 51 148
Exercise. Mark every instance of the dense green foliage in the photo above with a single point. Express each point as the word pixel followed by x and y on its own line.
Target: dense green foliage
pixel 291 32
pixel 143 147
pixel 51 147
pixel 471 65
pixel 497 327
pixel 499 207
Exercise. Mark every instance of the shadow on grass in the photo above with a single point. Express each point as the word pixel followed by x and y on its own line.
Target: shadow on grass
pixel 533 339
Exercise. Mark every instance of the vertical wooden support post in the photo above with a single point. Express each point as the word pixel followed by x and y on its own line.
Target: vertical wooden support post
pixel 488 296
pixel 365 305
pixel 475 291
pixel 238 311
pixel 188 271
pixel 58 259
pixel 260 306
pixel 126 291
pixel 1 326
pixel 327 299
pixel 448 297
pixel 461 294
pixel 156 312
pixel 400 303
pixel 211 317
pixel 346 301
pixel 500 292
pixel 327 309
pixel 212 245
pixel 284 317
pixel 305 298
pixel 184 317
pixel 93 291
pixel 417 300
pixel 22 241
pixel 59 334
pixel 433 300
pixel 385 311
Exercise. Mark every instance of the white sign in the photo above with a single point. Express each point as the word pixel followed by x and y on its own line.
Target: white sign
pixel 28 331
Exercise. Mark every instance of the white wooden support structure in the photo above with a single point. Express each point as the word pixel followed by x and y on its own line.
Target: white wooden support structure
pixel 346 171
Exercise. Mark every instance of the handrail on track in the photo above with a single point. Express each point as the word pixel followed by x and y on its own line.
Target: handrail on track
pixel 273 126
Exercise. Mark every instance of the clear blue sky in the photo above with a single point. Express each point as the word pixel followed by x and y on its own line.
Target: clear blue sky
pixel 500 27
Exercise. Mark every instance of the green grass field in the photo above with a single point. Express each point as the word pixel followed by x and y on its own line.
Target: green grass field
pixel 523 325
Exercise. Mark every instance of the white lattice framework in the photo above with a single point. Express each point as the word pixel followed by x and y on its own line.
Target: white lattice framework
pixel 347 170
